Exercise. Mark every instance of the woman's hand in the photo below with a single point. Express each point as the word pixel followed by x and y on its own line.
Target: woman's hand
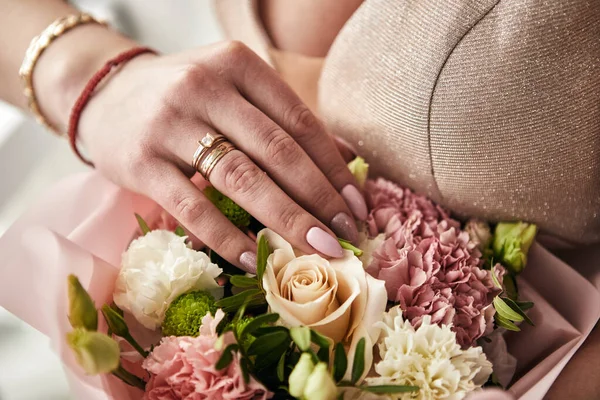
pixel 142 128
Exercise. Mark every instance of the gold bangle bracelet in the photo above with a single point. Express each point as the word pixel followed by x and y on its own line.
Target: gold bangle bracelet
pixel 35 50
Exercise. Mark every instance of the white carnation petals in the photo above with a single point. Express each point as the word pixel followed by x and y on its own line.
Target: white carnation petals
pixel 428 357
pixel 155 270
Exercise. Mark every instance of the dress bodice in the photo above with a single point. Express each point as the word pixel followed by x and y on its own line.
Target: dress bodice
pixel 491 108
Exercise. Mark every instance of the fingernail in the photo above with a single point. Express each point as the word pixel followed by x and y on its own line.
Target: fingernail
pixel 345 227
pixel 324 242
pixel 355 201
pixel 248 260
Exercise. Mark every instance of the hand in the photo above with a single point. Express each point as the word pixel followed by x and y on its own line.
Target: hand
pixel 141 130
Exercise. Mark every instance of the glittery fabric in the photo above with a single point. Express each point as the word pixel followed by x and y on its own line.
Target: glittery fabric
pixel 491 108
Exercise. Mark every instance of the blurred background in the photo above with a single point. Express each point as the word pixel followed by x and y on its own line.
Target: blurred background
pixel 31 160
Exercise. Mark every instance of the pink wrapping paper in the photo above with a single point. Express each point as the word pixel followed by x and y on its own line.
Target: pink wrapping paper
pixel 83 225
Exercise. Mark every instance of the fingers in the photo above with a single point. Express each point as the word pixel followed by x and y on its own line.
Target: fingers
pixel 182 199
pixel 346 149
pixel 244 182
pixel 286 162
pixel 263 87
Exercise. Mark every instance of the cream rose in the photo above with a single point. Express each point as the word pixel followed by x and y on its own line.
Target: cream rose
pixel 334 297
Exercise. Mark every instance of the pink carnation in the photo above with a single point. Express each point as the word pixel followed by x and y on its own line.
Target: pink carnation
pixel 428 264
pixel 390 206
pixel 184 368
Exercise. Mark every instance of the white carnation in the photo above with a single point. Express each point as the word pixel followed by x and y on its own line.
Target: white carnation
pixel 427 357
pixel 155 270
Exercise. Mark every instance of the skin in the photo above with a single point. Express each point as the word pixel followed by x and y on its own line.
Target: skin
pixel 143 136
pixel 287 171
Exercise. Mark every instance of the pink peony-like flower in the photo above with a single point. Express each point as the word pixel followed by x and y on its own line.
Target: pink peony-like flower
pixel 428 264
pixel 184 368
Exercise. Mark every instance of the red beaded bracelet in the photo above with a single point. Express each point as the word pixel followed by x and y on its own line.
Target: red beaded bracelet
pixel 89 89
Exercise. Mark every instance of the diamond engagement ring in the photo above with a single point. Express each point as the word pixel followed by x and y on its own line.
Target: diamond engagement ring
pixel 211 148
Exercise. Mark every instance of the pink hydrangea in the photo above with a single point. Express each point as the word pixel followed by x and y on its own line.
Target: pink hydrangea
pixel 428 264
pixel 184 368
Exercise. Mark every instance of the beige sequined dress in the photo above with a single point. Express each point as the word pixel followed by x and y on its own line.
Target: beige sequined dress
pixel 491 108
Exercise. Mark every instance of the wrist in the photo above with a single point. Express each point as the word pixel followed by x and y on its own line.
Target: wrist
pixel 67 65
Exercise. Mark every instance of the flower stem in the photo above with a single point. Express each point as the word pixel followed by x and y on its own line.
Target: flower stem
pixel 129 378
pixel 136 345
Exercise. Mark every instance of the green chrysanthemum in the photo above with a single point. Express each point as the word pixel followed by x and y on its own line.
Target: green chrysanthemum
pixel 236 214
pixel 185 313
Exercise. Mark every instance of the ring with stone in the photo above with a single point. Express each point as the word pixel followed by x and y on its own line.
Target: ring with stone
pixel 204 145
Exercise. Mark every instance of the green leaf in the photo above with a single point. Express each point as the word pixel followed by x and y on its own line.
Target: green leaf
pixel 263 344
pixel 273 355
pixel 242 281
pixel 258 322
pixel 340 362
pixel 314 356
pixel 505 323
pixel 505 311
pixel 227 356
pixel 510 286
pixel 318 339
pixel 261 257
pixel 119 311
pixel 495 278
pixel 143 225
pixel 281 368
pixel 241 311
pixel 389 389
pixel 323 354
pixel 265 330
pixel 224 326
pixel 180 232
pixel 258 300
pixel 358 366
pixel 301 336
pixel 245 373
pixel 237 300
pixel 349 246
pixel 512 304
pixel 525 305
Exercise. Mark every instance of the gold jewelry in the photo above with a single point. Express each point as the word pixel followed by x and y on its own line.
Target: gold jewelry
pixel 216 154
pixel 34 51
pixel 209 140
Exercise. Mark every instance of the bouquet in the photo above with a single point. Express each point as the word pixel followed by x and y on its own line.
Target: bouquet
pixel 416 310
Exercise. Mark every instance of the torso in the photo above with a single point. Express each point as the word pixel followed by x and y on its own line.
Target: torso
pixel 491 108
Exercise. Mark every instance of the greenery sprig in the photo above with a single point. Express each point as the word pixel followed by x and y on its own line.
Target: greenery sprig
pixel 509 311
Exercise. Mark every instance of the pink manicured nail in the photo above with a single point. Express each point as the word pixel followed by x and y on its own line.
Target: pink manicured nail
pixel 248 260
pixel 355 201
pixel 344 226
pixel 323 242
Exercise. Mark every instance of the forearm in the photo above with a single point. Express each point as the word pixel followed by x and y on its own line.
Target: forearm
pixel 65 66
pixel 581 377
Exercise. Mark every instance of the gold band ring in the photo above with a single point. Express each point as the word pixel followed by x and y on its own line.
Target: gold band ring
pixel 210 150
pixel 204 145
pixel 215 155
